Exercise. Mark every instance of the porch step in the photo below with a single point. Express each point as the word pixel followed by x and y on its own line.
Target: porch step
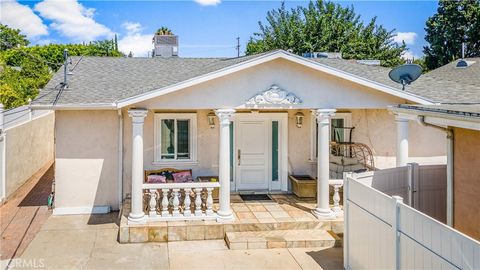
pixel 281 239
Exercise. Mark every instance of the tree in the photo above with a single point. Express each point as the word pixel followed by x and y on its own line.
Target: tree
pixel 325 26
pixel 27 69
pixel 11 38
pixel 164 31
pixel 455 22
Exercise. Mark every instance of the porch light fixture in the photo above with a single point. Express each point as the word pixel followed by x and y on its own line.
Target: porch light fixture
pixel 211 119
pixel 299 119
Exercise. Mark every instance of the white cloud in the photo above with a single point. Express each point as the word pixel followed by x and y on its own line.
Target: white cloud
pixel 73 20
pixel 408 37
pixel 208 2
pixel 22 17
pixel 134 41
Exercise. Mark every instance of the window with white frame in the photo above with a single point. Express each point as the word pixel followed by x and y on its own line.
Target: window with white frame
pixel 338 133
pixel 175 137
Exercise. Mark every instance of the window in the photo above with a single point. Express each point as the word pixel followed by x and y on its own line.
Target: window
pixel 175 137
pixel 337 133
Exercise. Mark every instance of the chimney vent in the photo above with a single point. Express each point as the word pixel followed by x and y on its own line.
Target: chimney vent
pixel 165 45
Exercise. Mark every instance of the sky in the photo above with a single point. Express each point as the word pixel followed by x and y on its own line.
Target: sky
pixel 206 28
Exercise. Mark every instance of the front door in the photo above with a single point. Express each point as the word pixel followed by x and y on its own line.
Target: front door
pixel 252 153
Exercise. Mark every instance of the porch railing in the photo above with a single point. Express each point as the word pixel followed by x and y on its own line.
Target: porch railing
pixel 179 201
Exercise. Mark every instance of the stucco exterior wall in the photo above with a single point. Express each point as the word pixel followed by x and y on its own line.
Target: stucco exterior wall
pixel 29 147
pixel 374 127
pixel 86 164
pixel 314 88
pixel 467 181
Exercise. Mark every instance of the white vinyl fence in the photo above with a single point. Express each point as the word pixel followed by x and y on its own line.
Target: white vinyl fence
pixel 26 146
pixel 422 187
pixel 381 232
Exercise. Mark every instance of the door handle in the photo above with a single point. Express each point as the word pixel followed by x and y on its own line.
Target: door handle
pixel 239 156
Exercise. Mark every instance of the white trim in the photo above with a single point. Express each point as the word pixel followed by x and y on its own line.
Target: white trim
pixel 176 163
pixel 347 118
pixel 192 138
pixel 61 211
pixel 438 119
pixel 266 58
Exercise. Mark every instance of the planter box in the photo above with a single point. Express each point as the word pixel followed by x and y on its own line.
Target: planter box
pixel 304 186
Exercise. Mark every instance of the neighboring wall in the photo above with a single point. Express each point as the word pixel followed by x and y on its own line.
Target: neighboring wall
pixel 86 164
pixel 467 181
pixel 28 146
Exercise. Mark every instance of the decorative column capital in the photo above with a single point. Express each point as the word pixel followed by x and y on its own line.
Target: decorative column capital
pixel 323 115
pixel 138 115
pixel 224 115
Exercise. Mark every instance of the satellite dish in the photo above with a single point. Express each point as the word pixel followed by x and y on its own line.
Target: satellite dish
pixel 405 74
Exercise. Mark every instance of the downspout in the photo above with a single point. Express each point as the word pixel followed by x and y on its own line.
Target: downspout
pixel 120 159
pixel 450 149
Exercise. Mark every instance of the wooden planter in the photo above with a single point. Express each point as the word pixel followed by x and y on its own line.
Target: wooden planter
pixel 304 186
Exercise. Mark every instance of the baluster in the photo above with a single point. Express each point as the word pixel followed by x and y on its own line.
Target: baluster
pixel 176 202
pixel 209 203
pixel 336 201
pixel 198 202
pixel 153 203
pixel 165 202
pixel 187 203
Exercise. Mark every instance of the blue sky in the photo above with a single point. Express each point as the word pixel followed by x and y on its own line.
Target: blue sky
pixel 205 27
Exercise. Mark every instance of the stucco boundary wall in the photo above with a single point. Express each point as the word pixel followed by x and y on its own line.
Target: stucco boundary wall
pixel 25 148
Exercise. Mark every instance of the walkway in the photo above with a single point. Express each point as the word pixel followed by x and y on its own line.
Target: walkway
pixel 22 216
pixel 90 242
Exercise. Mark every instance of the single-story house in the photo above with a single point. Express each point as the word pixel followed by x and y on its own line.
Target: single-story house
pixel 248 122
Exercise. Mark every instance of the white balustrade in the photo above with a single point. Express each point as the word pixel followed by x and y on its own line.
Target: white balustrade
pixel 336 184
pixel 173 201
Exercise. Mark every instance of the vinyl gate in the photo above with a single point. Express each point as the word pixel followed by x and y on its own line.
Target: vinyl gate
pixel 381 232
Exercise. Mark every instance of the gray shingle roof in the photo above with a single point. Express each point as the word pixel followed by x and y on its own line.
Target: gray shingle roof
pixel 100 81
pixel 449 84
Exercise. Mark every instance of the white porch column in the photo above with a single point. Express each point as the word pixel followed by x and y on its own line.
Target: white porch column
pixel 402 141
pixel 323 210
pixel 224 115
pixel 136 214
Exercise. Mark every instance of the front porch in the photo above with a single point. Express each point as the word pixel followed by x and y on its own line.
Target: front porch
pixel 286 214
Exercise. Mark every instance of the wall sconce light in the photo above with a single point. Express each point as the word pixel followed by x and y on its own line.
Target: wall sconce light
pixel 299 119
pixel 211 119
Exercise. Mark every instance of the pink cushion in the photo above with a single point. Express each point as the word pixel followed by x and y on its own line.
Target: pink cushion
pixel 153 178
pixel 182 177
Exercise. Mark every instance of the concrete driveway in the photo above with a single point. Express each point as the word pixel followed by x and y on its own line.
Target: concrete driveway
pixel 90 242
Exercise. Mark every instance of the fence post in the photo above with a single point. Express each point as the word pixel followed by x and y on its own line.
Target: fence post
pixel 415 181
pixel 346 233
pixel 396 201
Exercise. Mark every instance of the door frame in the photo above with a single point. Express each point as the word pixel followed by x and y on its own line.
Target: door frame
pixel 282 118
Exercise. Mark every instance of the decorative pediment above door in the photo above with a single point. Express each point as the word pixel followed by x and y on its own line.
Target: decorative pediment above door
pixel 274 96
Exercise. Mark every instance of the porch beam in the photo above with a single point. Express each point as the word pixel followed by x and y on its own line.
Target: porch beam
pixel 138 116
pixel 323 117
pixel 402 141
pixel 224 116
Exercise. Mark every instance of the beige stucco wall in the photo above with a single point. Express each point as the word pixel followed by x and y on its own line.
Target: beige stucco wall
pixel 316 90
pixel 86 164
pixel 373 127
pixel 29 147
pixel 467 181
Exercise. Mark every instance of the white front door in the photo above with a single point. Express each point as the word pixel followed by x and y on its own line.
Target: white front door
pixel 252 153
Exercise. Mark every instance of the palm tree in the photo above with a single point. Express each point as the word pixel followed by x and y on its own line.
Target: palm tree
pixel 164 31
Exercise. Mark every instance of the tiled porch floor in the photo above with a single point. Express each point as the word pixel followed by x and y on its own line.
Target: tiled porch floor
pixel 282 208
pixel 284 212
